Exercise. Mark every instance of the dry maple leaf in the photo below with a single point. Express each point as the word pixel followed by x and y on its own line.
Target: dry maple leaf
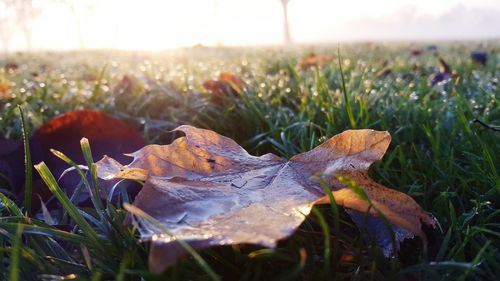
pixel 314 60
pixel 227 85
pixel 236 83
pixel 207 190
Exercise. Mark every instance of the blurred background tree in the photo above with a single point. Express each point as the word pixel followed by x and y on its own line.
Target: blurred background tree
pixel 286 26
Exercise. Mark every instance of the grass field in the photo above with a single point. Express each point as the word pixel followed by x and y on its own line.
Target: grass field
pixel 440 154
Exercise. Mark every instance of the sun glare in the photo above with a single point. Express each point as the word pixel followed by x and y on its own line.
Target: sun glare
pixel 157 24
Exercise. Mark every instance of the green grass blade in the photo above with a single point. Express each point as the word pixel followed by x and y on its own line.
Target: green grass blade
pixel 95 199
pixel 326 235
pixel 333 204
pixel 14 270
pixel 28 172
pixel 51 182
pixel 347 103
pixel 87 153
pixel 96 92
pixel 352 185
pixel 10 205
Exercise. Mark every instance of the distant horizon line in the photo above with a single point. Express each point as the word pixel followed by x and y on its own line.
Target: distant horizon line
pixel 268 45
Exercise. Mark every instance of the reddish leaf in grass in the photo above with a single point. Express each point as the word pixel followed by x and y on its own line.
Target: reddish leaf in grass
pixel 236 83
pixel 107 136
pixel 206 189
pixel 11 66
pixel 227 85
pixel 416 53
pixel 9 151
pixel 314 60
pixel 214 86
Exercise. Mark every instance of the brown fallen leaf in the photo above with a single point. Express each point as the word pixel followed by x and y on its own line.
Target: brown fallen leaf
pixel 314 60
pixel 11 66
pixel 227 85
pixel 236 83
pixel 207 190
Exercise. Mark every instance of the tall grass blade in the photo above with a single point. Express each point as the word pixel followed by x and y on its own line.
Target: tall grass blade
pixel 326 235
pixel 28 165
pixel 10 206
pixel 87 153
pixel 14 270
pixel 73 212
pixel 347 103
pixel 95 199
pixel 47 232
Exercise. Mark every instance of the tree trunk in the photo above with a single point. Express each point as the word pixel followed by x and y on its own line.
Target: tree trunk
pixel 286 27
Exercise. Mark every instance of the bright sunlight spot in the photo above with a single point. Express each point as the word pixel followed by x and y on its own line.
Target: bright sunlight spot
pixel 156 25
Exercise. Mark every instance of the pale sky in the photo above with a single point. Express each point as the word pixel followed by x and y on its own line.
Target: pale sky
pixel 162 24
